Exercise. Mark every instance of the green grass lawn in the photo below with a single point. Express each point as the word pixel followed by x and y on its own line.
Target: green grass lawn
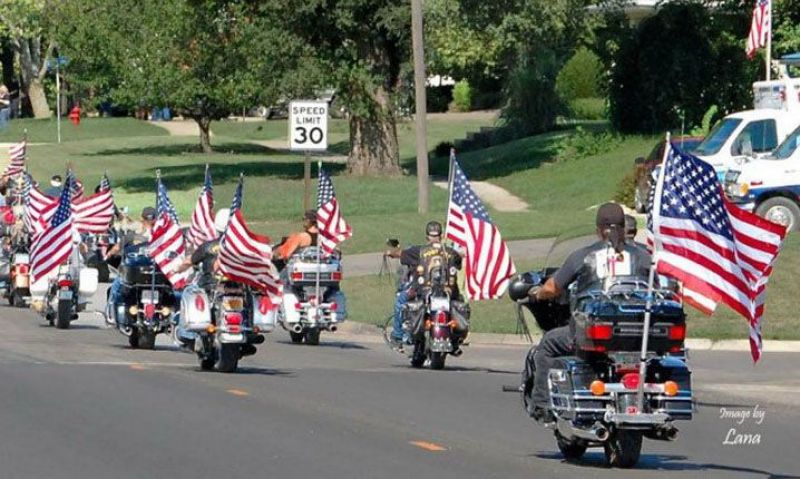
pixel 371 299
pixel 45 131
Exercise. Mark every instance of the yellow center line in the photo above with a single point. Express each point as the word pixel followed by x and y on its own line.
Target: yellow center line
pixel 428 446
pixel 238 392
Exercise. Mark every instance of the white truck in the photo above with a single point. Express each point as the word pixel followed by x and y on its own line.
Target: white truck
pixel 770 185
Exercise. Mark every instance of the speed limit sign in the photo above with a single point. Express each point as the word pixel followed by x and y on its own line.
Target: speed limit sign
pixel 308 125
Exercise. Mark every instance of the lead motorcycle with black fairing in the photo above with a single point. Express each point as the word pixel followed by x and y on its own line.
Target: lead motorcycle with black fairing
pixel 593 394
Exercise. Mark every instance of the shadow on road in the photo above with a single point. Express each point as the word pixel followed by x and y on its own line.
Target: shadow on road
pixel 325 344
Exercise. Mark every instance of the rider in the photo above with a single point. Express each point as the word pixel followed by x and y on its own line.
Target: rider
pixel 301 239
pixel 205 256
pixel 129 239
pixel 410 259
pixel 579 267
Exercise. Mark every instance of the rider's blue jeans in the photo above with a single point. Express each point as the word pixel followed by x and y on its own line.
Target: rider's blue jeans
pixel 399 303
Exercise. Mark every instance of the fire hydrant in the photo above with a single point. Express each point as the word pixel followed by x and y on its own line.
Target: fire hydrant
pixel 75 115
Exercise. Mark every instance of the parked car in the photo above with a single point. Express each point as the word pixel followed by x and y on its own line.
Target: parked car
pixel 644 167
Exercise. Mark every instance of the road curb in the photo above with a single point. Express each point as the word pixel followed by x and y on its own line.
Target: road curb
pixel 371 333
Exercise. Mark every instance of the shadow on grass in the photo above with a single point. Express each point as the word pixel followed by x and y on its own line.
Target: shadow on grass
pixel 185 177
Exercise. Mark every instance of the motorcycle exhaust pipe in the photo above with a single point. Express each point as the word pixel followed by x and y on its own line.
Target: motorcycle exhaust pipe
pixel 597 433
pixel 663 434
pixel 458 352
pixel 297 328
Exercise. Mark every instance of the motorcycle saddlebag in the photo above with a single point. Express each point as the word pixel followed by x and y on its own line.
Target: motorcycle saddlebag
pixel 460 312
pixel 264 313
pixel 602 325
pixel 87 282
pixel 413 315
pixel 195 309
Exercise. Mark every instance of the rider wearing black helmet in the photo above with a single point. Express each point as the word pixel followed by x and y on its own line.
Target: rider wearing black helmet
pixel 581 267
pixel 410 259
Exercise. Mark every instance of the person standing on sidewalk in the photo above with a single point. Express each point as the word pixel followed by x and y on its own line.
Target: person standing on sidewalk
pixel 5 107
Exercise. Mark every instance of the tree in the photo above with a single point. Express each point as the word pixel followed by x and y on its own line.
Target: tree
pixel 22 21
pixel 203 58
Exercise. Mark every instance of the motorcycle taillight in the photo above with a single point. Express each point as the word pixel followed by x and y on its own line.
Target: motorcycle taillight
pixel 149 310
pixel 64 283
pixel 23 269
pixel 441 318
pixel 234 319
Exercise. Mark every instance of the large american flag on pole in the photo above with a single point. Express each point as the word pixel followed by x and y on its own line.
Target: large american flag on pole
pixel 53 246
pixel 16 159
pixel 332 227
pixel 163 203
pixel 246 257
pixel 93 214
pixel 488 261
pixel 166 244
pixel 202 228
pixel 719 252
pixel 39 207
pixel 760 27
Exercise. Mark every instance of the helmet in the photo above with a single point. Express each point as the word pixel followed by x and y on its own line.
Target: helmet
pixel 221 220
pixel 433 228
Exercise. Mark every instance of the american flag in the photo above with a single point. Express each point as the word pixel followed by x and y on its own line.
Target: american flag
pixel 52 246
pixel 163 204
pixel 94 214
pixel 332 227
pixel 246 257
pixel 760 27
pixel 39 207
pixel 488 261
pixel 166 244
pixel 719 252
pixel 16 159
pixel 202 229
pixel 77 189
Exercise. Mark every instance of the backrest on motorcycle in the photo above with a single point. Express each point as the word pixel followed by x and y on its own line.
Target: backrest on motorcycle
pixel 435 266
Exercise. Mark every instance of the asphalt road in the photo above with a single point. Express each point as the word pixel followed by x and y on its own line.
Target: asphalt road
pixel 80 404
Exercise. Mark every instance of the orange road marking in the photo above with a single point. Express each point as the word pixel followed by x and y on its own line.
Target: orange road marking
pixel 238 392
pixel 137 367
pixel 428 446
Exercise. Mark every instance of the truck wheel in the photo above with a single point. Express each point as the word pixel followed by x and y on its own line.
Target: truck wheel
pixel 571 450
pixel 623 448
pixel 63 314
pixel 782 211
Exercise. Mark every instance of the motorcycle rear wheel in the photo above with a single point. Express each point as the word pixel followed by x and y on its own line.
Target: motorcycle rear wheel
pixel 623 448
pixel 227 358
pixel 437 360
pixel 297 338
pixel 572 451
pixel 147 339
pixel 63 314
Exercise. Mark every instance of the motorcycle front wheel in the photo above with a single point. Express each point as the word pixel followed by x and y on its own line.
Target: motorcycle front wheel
pixel 63 314
pixel 227 358
pixel 572 451
pixel 623 448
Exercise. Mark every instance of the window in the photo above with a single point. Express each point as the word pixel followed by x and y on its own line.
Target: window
pixel 757 137
pixel 717 137
pixel 788 147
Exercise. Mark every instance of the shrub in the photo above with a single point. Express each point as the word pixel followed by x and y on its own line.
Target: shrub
pixel 584 143
pixel 588 109
pixel 580 76
pixel 626 190
pixel 532 104
pixel 438 97
pixel 442 149
pixel 462 96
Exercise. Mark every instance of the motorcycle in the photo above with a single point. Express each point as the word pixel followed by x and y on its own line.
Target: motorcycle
pixel 435 323
pixel 226 327
pixel 593 395
pixel 63 294
pixel 17 289
pixel 312 301
pixel 148 302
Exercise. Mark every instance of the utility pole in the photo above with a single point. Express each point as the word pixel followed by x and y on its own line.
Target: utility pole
pixel 423 185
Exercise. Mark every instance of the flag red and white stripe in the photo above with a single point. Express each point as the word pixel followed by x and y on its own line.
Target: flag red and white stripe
pixel 333 229
pixel 167 250
pixel 760 27
pixel 16 159
pixel 488 261
pixel 53 245
pixel 39 209
pixel 718 251
pixel 202 228
pixel 93 214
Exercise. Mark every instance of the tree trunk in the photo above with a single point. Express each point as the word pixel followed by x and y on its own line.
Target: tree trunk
pixel 373 141
pixel 38 99
pixel 204 123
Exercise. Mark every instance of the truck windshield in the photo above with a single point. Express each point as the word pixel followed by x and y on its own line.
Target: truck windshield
pixel 788 147
pixel 717 137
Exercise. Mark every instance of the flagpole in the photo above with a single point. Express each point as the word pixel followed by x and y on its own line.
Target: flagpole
pixel 655 214
pixel 450 172
pixel 769 43
pixel 319 249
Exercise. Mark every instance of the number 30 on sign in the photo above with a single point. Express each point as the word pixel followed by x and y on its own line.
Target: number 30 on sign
pixel 308 125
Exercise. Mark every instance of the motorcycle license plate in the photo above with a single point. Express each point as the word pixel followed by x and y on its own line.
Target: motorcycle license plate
pixel 150 297
pixel 21 259
pixel 65 294
pixel 440 304
pixel 231 338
